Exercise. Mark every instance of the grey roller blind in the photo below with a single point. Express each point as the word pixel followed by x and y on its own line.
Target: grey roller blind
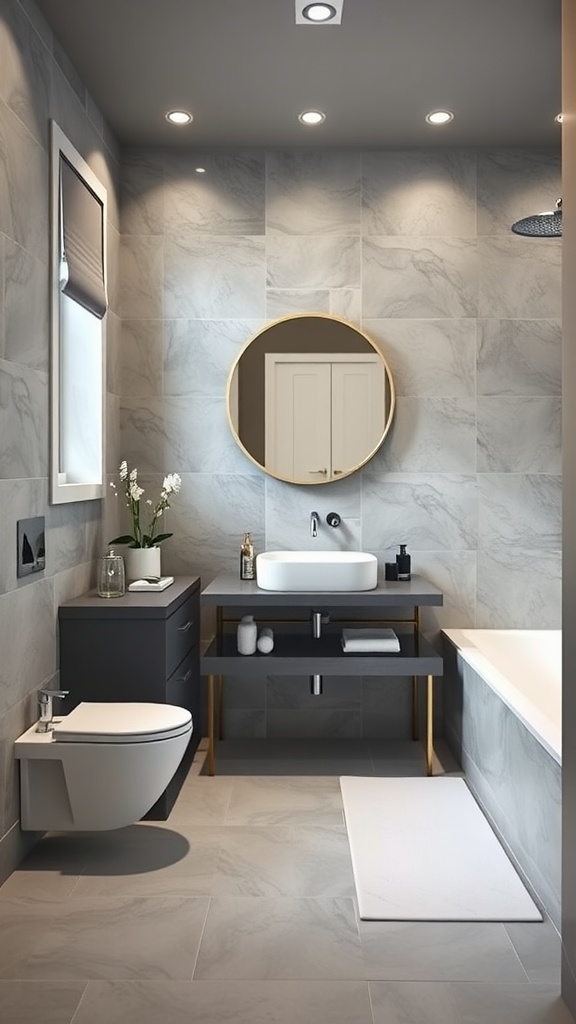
pixel 81 242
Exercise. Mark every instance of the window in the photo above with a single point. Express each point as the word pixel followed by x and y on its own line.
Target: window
pixel 78 339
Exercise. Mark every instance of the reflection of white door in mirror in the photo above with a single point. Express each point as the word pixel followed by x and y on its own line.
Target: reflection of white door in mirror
pixel 323 413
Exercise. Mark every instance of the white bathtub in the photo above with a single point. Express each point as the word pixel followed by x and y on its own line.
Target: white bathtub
pixel 524 667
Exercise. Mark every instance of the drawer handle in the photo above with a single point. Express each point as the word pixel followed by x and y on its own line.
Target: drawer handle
pixel 185 627
pixel 184 679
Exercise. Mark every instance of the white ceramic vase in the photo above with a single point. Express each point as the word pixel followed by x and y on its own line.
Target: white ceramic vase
pixel 142 562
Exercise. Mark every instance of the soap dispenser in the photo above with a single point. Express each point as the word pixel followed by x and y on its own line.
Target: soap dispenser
pixel 403 562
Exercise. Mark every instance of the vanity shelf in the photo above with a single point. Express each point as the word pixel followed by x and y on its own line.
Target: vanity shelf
pixel 297 652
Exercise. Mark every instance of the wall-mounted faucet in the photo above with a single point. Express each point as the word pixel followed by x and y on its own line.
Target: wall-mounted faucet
pixel 314 524
pixel 333 519
pixel 45 698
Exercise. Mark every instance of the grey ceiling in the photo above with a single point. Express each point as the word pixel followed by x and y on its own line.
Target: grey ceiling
pixel 245 70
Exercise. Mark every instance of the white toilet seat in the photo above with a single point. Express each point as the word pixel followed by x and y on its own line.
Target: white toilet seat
pixel 120 722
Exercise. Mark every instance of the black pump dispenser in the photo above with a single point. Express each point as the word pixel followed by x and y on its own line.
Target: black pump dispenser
pixel 404 563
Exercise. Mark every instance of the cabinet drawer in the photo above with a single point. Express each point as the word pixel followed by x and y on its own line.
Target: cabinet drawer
pixel 181 633
pixel 182 688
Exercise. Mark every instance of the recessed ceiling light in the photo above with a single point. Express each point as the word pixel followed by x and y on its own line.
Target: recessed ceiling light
pixel 559 118
pixel 440 117
pixel 178 117
pixel 311 117
pixel 319 12
pixel 200 170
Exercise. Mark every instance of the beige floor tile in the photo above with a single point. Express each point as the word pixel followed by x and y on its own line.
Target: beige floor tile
pixel 203 800
pixel 266 800
pixel 464 1003
pixel 114 938
pixel 266 939
pixel 39 1002
pixel 240 1002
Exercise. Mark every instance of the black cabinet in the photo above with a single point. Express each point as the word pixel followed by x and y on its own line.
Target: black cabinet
pixel 140 647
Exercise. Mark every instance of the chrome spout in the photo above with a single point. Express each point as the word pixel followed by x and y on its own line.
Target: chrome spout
pixel 314 524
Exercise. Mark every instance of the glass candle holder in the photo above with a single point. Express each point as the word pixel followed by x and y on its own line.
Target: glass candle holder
pixel 111 576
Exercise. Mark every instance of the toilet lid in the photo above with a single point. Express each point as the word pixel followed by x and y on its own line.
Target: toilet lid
pixel 133 722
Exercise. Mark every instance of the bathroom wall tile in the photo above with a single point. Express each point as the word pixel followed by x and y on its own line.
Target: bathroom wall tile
pixel 28 655
pixel 539 950
pixel 209 520
pixel 25 72
pixel 244 1002
pixel 38 20
pixel 227 200
pixel 112 265
pixel 431 512
pixel 288 509
pixel 245 692
pixel 142 192
pixel 19 499
pixel 419 192
pixel 438 951
pixel 519 435
pixel 387 707
pixel 40 1002
pixel 141 274
pixel 188 432
pixel 454 573
pixel 245 722
pixel 318 939
pixel 112 417
pixel 310 192
pixel 142 355
pixel 26 308
pixel 417 277
pixel 70 534
pixel 23 189
pixel 436 435
pixel 214 276
pixel 287 301
pixel 428 358
pixel 113 353
pixel 287 693
pixel 346 303
pixel 519 357
pixel 12 724
pixel 199 354
pixel 518 280
pixel 316 723
pixel 324 261
pixel 3 241
pixel 519 588
pixel 515 183
pixel 445 1003
pixel 23 421
pixel 519 511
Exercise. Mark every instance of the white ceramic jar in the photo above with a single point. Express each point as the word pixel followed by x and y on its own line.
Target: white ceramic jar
pixel 247 635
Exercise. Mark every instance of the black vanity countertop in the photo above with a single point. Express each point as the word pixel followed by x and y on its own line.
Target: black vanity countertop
pixel 229 590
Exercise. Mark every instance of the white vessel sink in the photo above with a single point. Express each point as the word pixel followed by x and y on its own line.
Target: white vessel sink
pixel 316 570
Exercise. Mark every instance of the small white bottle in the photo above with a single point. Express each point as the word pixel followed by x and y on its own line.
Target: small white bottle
pixel 265 640
pixel 247 634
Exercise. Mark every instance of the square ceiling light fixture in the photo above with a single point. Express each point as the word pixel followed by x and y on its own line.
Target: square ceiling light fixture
pixel 319 13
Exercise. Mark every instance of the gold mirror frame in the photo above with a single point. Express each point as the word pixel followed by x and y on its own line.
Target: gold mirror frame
pixel 347 338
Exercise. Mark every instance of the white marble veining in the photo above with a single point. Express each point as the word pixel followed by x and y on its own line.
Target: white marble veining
pixel 199 354
pixel 419 277
pixel 514 183
pixel 23 421
pixel 141 271
pixel 229 199
pixel 519 511
pixel 313 192
pixel 142 193
pixel 519 357
pixel 419 192
pixel 324 261
pixel 431 435
pixel 520 587
pixel 519 435
pixel 142 358
pixel 518 280
pixel 25 308
pixel 429 511
pixel 213 276
pixel 428 358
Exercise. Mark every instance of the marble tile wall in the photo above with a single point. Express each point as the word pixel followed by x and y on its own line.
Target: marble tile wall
pixel 416 248
pixel 38 83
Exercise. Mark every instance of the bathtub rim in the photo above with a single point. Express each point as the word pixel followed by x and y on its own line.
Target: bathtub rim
pixel 543 729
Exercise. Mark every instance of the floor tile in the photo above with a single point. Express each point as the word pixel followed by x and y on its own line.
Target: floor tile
pixel 39 1002
pixel 203 800
pixel 262 800
pixel 255 938
pixel 235 1002
pixel 107 938
pixel 465 1003
pixel 539 949
pixel 445 951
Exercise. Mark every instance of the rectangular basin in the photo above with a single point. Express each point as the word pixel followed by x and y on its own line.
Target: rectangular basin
pixel 309 571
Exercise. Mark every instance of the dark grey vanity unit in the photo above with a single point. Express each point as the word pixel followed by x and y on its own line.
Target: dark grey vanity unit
pixel 140 647
pixel 298 652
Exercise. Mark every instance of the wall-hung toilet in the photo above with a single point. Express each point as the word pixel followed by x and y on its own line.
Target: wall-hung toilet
pixel 103 766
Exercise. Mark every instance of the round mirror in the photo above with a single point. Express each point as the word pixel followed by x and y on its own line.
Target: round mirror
pixel 310 399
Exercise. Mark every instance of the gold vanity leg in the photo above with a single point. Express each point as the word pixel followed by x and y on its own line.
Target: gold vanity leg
pixel 210 756
pixel 220 708
pixel 415 729
pixel 429 723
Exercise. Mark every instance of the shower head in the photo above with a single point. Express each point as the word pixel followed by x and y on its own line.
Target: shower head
pixel 541 225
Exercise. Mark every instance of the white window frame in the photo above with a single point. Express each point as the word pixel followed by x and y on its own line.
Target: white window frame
pixel 77 386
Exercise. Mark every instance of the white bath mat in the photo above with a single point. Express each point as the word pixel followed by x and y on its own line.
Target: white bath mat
pixel 422 850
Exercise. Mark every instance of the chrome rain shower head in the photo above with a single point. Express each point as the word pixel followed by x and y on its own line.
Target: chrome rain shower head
pixel 541 225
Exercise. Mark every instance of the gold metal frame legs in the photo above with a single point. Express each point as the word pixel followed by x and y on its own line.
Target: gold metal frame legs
pixel 210 755
pixel 429 723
